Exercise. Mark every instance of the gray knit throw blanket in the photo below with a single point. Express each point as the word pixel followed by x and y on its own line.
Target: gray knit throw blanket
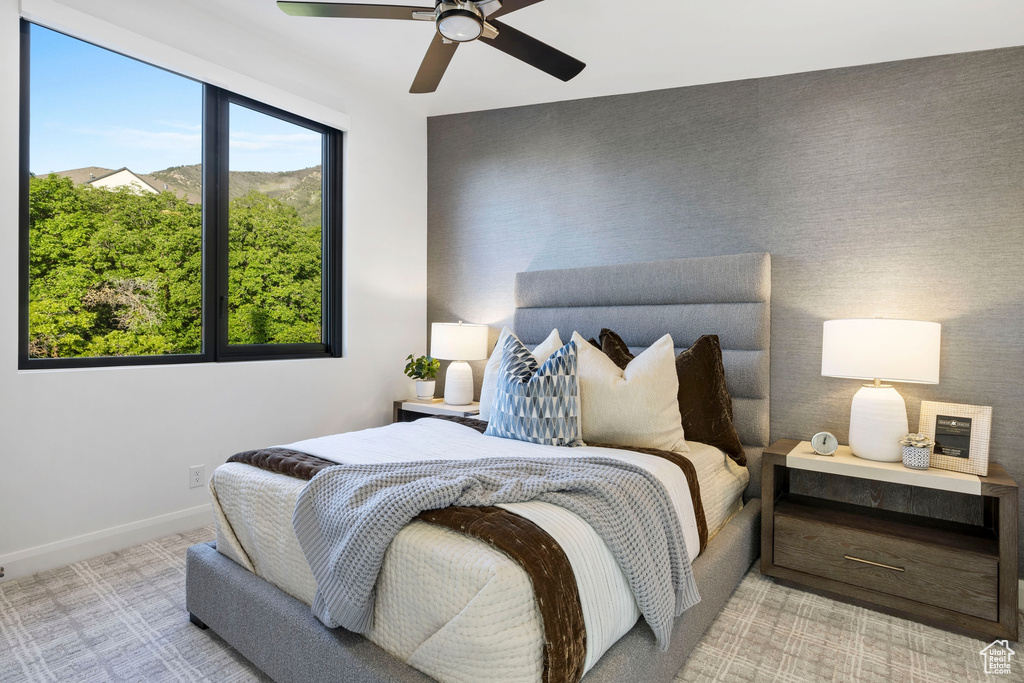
pixel 347 516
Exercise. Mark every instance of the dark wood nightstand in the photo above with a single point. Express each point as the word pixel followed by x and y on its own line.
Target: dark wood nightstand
pixel 953 575
pixel 410 411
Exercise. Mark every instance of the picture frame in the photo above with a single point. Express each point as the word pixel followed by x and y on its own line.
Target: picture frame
pixel 962 444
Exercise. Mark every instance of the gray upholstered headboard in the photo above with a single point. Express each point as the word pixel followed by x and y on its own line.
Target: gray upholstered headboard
pixel 725 295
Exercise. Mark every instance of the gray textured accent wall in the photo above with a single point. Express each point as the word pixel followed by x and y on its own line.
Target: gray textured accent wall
pixel 892 190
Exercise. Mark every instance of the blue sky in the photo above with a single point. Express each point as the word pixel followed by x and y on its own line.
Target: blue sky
pixel 92 107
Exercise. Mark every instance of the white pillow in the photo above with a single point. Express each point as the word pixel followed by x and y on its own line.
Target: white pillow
pixel 638 406
pixel 490 385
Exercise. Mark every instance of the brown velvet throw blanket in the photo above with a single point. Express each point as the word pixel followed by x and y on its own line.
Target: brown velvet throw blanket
pixel 565 644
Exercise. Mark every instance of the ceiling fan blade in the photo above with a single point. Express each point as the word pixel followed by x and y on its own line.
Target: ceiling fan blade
pixel 434 64
pixel 513 5
pixel 349 10
pixel 535 53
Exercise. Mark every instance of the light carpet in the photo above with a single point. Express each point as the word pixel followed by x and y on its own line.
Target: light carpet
pixel 117 617
pixel 121 617
pixel 768 632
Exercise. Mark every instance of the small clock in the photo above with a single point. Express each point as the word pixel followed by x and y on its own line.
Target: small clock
pixel 824 443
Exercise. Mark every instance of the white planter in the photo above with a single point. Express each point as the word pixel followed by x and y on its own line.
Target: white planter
pixel 425 388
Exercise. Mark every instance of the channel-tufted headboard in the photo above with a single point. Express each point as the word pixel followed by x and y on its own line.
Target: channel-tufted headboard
pixel 725 295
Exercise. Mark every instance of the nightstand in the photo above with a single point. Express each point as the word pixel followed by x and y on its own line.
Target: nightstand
pixel 410 411
pixel 954 575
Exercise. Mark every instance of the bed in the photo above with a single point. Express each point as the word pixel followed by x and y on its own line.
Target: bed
pixel 729 296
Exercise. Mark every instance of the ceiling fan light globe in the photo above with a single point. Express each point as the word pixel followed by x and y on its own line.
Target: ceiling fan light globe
pixel 460 26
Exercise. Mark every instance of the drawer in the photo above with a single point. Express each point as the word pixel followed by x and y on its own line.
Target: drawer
pixel 910 565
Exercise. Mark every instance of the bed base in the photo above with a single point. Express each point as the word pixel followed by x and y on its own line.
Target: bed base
pixel 280 635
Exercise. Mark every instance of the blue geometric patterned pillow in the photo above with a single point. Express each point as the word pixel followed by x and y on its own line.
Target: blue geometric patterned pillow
pixel 541 405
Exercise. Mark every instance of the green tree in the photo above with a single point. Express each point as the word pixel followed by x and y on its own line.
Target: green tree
pixel 274 294
pixel 116 273
pixel 112 272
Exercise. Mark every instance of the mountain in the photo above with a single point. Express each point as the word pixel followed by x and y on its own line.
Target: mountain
pixel 300 189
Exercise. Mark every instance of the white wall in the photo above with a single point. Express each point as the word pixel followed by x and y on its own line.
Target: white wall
pixel 93 460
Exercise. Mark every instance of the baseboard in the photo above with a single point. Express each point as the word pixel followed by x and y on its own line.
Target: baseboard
pixel 60 553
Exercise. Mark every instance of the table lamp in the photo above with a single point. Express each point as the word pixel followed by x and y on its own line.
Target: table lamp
pixel 880 349
pixel 458 342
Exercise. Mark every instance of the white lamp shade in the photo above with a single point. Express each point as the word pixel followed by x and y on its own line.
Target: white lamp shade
pixel 879 348
pixel 458 341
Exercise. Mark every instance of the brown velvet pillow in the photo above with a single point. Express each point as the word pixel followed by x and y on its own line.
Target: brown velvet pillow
pixel 704 401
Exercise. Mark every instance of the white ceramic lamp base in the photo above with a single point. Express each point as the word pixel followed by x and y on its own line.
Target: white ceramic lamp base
pixel 878 418
pixel 458 384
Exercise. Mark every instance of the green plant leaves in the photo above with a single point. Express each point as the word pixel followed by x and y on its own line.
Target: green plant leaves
pixel 422 368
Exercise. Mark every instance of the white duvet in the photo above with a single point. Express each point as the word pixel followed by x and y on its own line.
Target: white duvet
pixel 448 604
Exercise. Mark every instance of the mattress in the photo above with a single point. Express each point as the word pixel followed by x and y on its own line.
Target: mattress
pixel 447 604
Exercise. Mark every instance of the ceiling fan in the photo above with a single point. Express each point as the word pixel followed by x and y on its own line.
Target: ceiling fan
pixel 456 21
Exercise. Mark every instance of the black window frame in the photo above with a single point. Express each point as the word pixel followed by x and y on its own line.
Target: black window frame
pixel 215 206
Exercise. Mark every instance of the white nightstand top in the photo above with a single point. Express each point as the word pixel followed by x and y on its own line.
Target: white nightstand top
pixel 845 463
pixel 470 410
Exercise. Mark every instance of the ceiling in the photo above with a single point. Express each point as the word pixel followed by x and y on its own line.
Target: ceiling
pixel 629 46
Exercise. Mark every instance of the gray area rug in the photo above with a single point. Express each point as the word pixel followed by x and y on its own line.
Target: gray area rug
pixel 768 632
pixel 117 617
pixel 121 617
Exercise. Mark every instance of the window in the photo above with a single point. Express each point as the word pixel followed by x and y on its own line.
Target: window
pixel 166 220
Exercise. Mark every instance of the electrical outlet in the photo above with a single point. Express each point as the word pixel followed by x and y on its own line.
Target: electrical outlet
pixel 196 476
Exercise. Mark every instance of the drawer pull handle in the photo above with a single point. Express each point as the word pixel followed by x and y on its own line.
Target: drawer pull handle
pixel 875 564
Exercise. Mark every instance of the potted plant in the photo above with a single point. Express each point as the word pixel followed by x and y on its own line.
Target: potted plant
pixel 917 450
pixel 424 371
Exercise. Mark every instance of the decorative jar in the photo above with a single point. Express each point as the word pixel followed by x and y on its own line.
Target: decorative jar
pixel 916 458
pixel 917 451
